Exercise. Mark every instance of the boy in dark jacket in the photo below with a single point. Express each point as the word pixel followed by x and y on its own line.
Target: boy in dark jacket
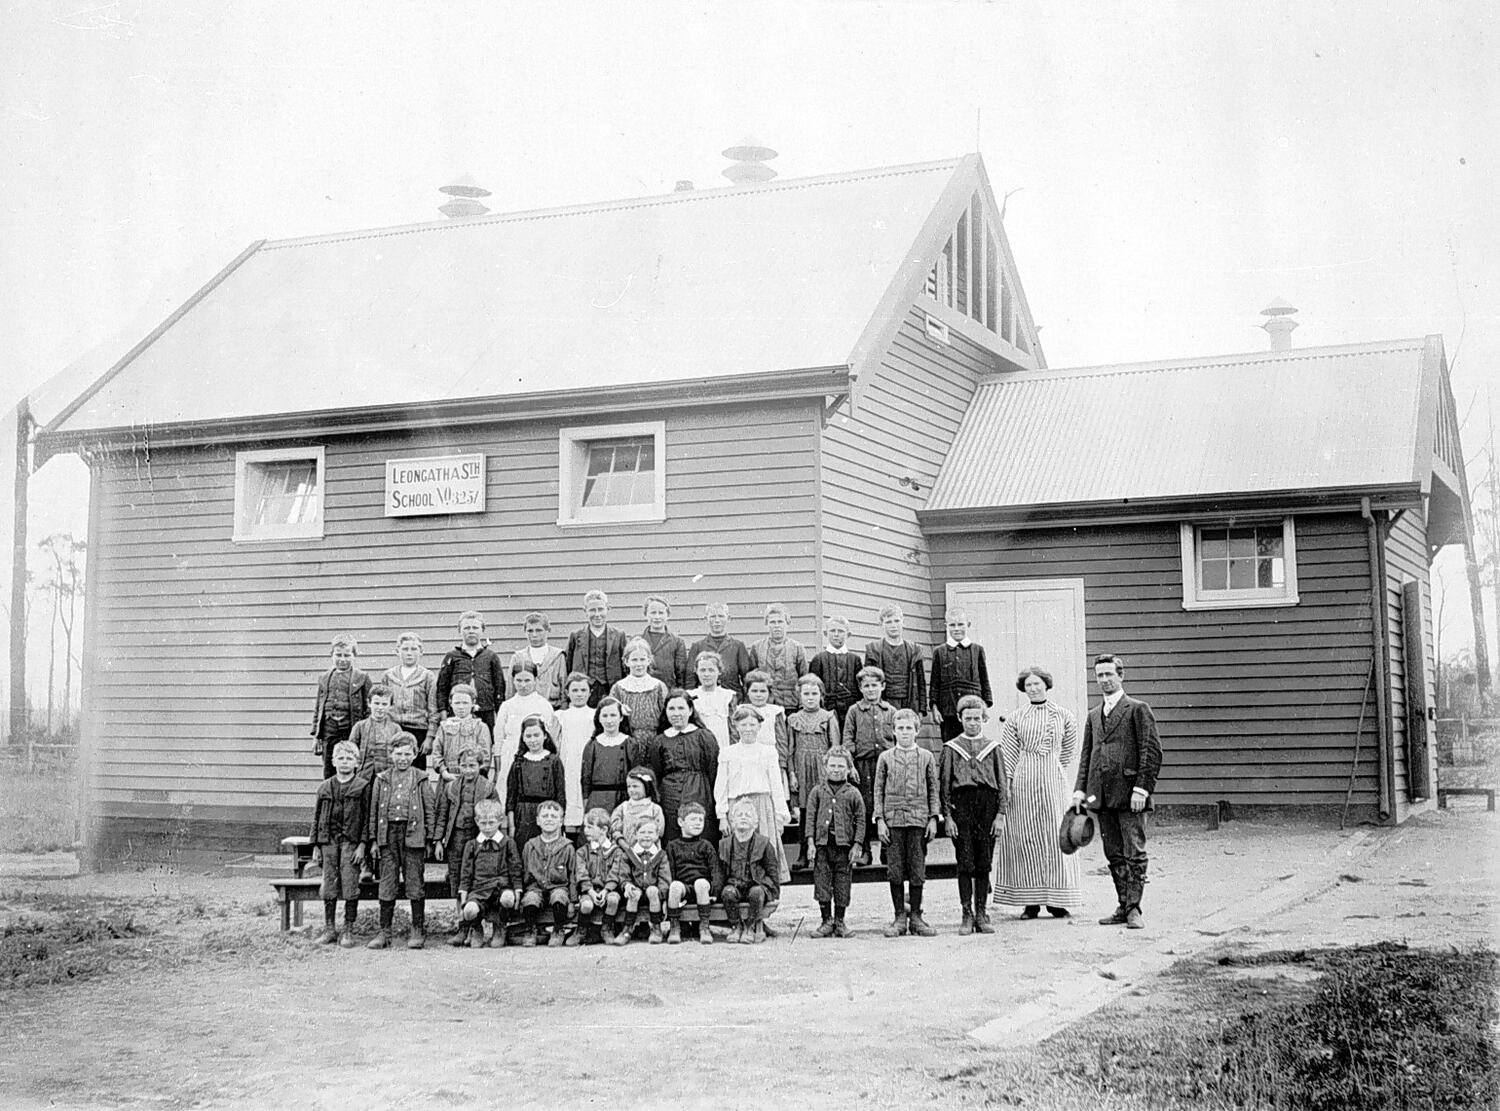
pixel 457 822
pixel 471 661
pixel 602 872
pixel 958 668
pixel 971 788
pixel 696 872
pixel 751 873
pixel 836 822
pixel 649 880
pixel 402 824
pixel 838 667
pixel 869 729
pixel 343 699
pixel 490 879
pixel 551 875
pixel 338 834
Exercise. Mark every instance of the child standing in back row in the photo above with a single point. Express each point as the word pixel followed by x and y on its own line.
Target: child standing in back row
pixel 906 811
pixel 550 663
pixel 900 661
pixel 472 661
pixel 958 668
pixel 414 704
pixel 734 657
pixel 343 699
pixel 837 667
pixel 782 659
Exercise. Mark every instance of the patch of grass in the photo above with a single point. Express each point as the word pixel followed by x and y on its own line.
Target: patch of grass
pixel 58 949
pixel 1383 1027
pixel 39 811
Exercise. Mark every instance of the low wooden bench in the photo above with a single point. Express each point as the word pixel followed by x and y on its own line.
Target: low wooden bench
pixel 1487 792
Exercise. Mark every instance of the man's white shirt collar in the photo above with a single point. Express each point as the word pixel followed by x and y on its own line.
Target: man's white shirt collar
pixel 1112 700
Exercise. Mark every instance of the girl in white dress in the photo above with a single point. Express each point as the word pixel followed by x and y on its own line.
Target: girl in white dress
pixel 748 770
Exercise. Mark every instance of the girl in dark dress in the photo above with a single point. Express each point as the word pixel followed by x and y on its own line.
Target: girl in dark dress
pixel 606 759
pixel 536 776
pixel 685 757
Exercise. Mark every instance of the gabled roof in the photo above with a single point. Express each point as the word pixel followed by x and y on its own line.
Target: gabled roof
pixel 1308 419
pixel 698 286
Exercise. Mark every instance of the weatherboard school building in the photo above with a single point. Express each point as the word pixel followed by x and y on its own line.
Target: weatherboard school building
pixel 826 392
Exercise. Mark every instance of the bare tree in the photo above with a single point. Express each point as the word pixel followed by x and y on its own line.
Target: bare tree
pixel 64 584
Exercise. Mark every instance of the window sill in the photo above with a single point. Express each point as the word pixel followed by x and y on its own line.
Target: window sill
pixel 1280 601
pixel 648 517
pixel 282 538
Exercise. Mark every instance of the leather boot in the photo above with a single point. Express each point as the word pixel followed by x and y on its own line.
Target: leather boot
pixel 1133 891
pixel 1117 918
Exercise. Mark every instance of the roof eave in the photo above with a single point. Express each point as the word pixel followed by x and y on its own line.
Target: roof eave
pixel 804 382
pixel 1339 499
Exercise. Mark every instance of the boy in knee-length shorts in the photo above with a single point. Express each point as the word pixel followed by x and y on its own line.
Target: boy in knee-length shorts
pixel 338 835
pixel 906 810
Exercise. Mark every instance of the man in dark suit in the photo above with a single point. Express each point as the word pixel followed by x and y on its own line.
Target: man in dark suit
pixel 1116 775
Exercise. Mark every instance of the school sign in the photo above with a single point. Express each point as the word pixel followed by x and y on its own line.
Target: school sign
pixel 441 484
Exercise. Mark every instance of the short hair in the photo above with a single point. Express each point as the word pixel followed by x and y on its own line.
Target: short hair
pixel 463 688
pixel 890 610
pixel 777 607
pixel 380 690
pixel 690 808
pixel 344 640
pixel 712 608
pixel 745 711
pixel 811 680
pixel 635 644
pixel 406 636
pixel 908 715
pixel 489 808
pixel 576 677
pixel 535 618
pixel 1110 658
pixel 549 804
pixel 656 598
pixel 520 664
pixel 739 804
pixel 463 753
pixel 649 820
pixel 595 596
pixel 839 752
pixel 597 818
pixel 841 622
pixel 955 612
pixel 468 615
pixel 347 746
pixel 757 676
pixel 971 702
pixel 869 671
pixel 403 740
pixel 1028 672
pixel 709 656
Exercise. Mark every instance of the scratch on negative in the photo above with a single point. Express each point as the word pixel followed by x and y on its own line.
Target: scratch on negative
pixel 629 280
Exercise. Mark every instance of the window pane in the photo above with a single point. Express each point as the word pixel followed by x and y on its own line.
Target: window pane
pixel 282 493
pixel 1242 574
pixel 1215 543
pixel 1268 542
pixel 1215 575
pixel 1242 542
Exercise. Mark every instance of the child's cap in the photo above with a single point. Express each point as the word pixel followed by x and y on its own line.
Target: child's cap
pixel 348 748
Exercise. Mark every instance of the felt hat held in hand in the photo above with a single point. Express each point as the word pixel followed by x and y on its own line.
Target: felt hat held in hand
pixel 1076 831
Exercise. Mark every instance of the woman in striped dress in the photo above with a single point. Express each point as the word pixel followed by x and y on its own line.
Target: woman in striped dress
pixel 1039 742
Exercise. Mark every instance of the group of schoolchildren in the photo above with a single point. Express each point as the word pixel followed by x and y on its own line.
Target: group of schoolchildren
pixel 598 786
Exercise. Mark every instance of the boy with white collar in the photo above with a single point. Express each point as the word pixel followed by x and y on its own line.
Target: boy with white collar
pixel 837 667
pixel 958 668
pixel 971 790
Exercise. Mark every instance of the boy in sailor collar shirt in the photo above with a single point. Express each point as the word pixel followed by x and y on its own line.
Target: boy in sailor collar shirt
pixel 971 785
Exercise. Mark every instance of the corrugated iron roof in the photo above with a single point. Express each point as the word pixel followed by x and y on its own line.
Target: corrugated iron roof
pixel 1308 418
pixel 716 282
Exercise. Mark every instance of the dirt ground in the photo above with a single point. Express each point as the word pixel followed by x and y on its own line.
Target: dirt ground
pixel 205 1003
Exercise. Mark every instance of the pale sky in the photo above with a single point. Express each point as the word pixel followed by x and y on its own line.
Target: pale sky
pixel 1178 165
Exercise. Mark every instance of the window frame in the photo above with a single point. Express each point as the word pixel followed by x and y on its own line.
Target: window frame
pixel 1193 596
pixel 243 532
pixel 573 445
